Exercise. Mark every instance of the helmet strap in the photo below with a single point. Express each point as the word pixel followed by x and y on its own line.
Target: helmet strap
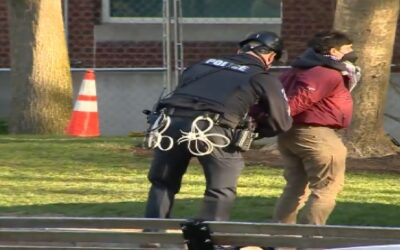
pixel 261 57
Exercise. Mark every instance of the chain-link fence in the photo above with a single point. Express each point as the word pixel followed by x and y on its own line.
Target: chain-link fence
pixel 207 28
pixel 138 90
pixel 191 30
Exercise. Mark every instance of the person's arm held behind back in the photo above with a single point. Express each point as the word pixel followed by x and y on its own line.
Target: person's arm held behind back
pixel 273 103
pixel 308 91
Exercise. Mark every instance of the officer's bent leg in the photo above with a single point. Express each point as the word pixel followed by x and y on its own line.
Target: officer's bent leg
pixel 222 169
pixel 165 176
pixel 218 203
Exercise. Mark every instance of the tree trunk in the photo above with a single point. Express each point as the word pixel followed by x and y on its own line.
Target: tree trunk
pixel 372 26
pixel 41 77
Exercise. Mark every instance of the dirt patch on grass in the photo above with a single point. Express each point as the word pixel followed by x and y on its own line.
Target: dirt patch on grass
pixel 271 157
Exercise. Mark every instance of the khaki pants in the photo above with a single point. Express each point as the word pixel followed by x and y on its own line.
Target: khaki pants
pixel 314 171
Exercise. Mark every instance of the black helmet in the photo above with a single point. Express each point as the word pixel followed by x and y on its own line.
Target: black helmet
pixel 267 39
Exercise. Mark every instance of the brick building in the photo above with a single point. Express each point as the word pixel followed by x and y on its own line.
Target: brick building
pixel 125 45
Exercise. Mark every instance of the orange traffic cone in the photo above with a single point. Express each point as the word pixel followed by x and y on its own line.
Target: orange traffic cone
pixel 85 119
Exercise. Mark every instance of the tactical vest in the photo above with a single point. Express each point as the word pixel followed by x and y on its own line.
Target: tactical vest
pixel 217 81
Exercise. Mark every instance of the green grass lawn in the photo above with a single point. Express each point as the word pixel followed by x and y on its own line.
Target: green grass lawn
pixel 43 175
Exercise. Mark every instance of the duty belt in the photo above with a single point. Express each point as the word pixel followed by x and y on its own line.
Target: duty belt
pixel 222 120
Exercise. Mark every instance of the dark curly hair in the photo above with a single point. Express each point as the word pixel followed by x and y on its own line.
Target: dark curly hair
pixel 322 42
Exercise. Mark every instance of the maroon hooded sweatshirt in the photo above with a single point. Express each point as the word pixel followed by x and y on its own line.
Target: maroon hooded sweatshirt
pixel 317 91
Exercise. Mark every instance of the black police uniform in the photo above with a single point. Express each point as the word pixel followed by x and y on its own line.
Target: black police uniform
pixel 228 87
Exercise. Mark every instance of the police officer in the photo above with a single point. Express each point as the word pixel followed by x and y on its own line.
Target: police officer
pixel 205 117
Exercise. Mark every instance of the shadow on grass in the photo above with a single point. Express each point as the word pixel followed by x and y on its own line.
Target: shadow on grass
pixel 251 209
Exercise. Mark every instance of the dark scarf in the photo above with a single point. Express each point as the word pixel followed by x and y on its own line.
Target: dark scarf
pixel 310 58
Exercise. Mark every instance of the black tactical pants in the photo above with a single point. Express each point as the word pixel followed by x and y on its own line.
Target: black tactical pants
pixel 221 168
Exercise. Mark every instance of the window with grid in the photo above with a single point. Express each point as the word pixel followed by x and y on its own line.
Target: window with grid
pixel 195 11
